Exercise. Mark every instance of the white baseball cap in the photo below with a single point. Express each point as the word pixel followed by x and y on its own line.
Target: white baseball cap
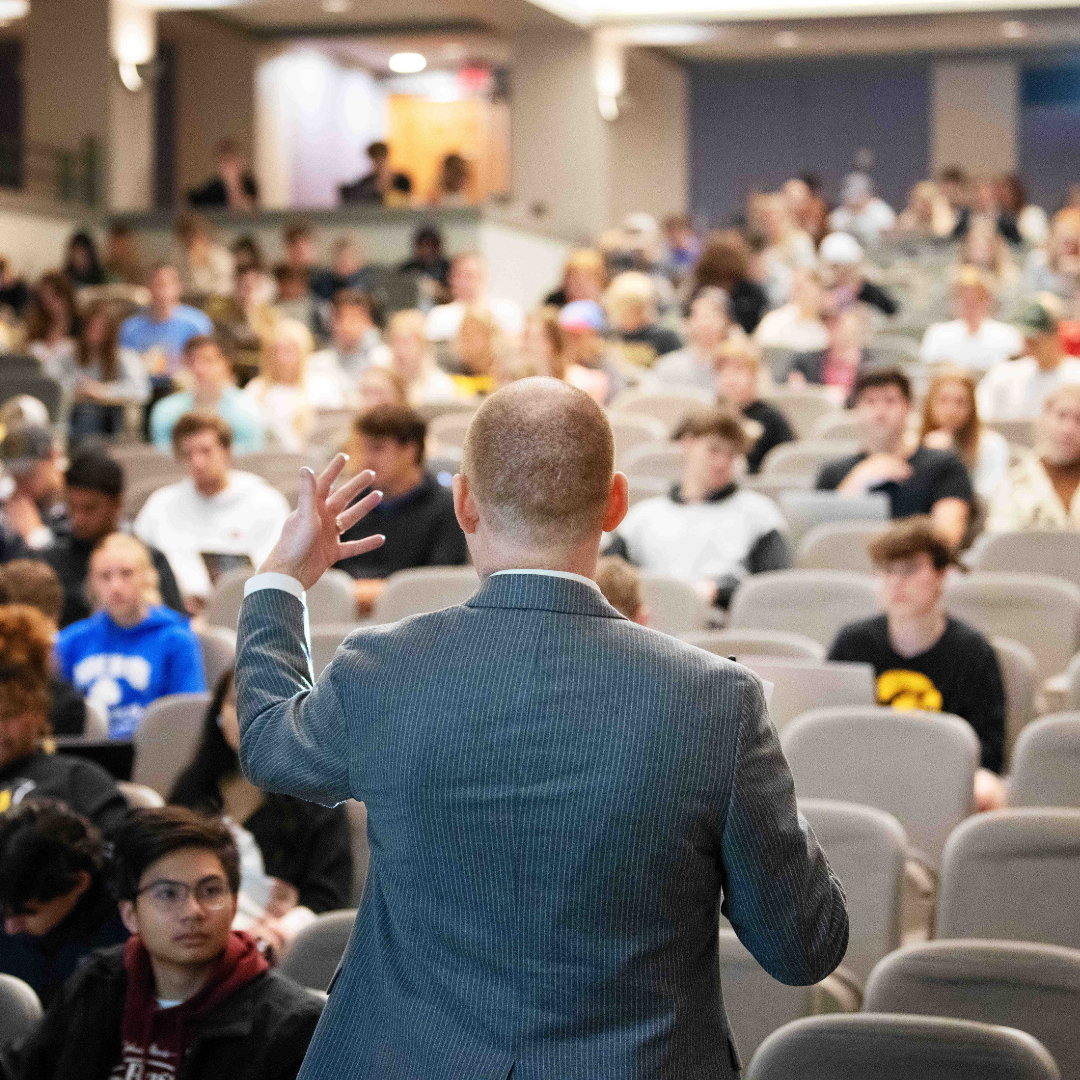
pixel 840 249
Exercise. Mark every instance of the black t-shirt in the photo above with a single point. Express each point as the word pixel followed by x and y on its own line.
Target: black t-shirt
pixel 87 788
pixel 214 192
pixel 420 530
pixel 935 474
pixel 659 339
pixel 777 431
pixel 958 674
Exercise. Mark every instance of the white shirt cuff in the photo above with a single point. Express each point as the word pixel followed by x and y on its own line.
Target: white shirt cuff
pixel 275 581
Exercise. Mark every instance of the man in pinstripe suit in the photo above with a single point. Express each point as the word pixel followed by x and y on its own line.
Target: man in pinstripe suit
pixel 560 802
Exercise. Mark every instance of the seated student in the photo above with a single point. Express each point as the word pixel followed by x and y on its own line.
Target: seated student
pixel 216 518
pixel 132 650
pixel 185 989
pixel 916 480
pixel 631 305
pixel 708 328
pixel 34 583
pixel 708 531
pixel 923 658
pixel 737 382
pixel 33 509
pixel 798 325
pixel 416 515
pixel 300 862
pixel 587 360
pixel 54 895
pixel 213 390
pixel 1040 492
pixel 94 497
pixel 355 341
pixel 26 770
pixel 621 585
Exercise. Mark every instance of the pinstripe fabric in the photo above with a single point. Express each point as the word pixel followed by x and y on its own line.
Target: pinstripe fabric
pixel 557 798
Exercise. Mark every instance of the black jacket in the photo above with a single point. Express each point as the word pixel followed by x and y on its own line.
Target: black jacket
pixel 260 1033
pixel 775 430
pixel 87 788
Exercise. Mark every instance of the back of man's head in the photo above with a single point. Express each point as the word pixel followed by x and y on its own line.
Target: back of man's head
pixel 539 458
pixel 34 583
pixel 94 470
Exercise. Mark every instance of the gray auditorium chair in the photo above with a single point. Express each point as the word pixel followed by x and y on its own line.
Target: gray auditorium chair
pixel 1019 673
pixel 1018 432
pixel 139 795
pixel 1013 874
pixel 1054 553
pixel 740 643
pixel 839 545
pixel 756 1004
pixel 641 488
pixel 447 432
pixel 803 407
pixel 674 605
pixel 1046 763
pixel 166 740
pixel 630 430
pixel 867 849
pixel 842 424
pixel 816 603
pixel 1040 612
pixel 428 588
pixel 886 1046
pixel 318 949
pixel 218 647
pixel 917 766
pixel 357 815
pixel 776 484
pixel 803 510
pixel 332 599
pixel 654 461
pixel 20 1010
pixel 806 456
pixel 1033 988
pixel 325 640
pixel 430 409
pixel 667 406
pixel 802 685
pixel 223 607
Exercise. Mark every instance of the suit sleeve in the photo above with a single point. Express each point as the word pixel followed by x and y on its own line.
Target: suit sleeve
pixel 782 899
pixel 293 735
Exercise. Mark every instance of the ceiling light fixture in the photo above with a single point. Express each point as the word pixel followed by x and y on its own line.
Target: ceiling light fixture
pixel 407 63
pixel 787 39
pixel 335 7
pixel 13 9
pixel 1013 28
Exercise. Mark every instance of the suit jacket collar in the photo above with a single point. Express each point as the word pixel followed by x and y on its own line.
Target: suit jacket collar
pixel 541 593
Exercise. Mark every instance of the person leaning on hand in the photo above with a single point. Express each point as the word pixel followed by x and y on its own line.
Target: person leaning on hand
pixel 560 802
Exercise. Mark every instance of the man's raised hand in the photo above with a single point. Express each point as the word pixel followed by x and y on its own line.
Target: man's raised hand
pixel 310 541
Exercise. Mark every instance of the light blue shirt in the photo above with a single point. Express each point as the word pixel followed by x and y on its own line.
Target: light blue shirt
pixel 233 407
pixel 142 332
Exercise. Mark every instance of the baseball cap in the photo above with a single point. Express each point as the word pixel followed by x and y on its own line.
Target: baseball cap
pixel 1040 315
pixel 23 447
pixel 582 315
pixel 841 249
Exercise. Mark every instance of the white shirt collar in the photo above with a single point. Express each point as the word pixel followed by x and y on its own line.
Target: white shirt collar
pixel 553 573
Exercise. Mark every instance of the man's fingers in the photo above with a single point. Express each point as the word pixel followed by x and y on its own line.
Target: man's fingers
pixel 348 491
pixel 330 474
pixel 348 518
pixel 359 547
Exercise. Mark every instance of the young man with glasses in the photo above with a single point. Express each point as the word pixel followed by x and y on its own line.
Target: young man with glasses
pixel 187 995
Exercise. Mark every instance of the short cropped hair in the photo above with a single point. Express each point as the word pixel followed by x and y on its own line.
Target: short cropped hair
pixel 94 470
pixel 194 422
pixel 34 583
pixel 908 538
pixel 620 583
pixel 398 422
pixel 876 377
pixel 44 846
pixel 723 423
pixel 539 456
pixel 200 341
pixel 148 835
pixel 352 298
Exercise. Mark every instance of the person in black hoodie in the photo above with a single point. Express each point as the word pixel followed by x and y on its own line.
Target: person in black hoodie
pixel 54 896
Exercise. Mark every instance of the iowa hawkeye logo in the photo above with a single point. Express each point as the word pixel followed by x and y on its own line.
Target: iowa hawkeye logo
pixel 908 690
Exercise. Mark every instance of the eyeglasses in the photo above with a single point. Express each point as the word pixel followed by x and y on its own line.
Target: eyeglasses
pixel 212 894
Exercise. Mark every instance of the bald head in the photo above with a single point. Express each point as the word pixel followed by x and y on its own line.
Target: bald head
pixel 539 459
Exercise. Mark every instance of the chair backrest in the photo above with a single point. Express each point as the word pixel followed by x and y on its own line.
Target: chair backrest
pixel 1040 612
pixel 674 605
pixel 223 608
pixel 330 427
pixel 802 408
pixel 218 647
pixel 805 509
pixel 645 487
pixel 27 381
pixel 1013 874
pixel 431 409
pixel 1033 988
pixel 1018 432
pixel 429 588
pixel 839 545
pixel 447 431
pixel 332 599
pixel 842 424
pixel 667 406
pixel 885 1046
pixel 816 603
pixel 802 685
pixel 139 795
pixel 917 766
pixel 1046 763
pixel 166 740
pixel 144 477
pixel 1072 683
pixel 654 461
pixel 740 643
pixel 806 456
pixel 325 639
pixel 97 721
pixel 318 948
pixel 1019 673
pixel 630 430
pixel 274 466
pixel 775 484
pixel 1056 554
pixel 867 849
pixel 20 1010
pixel 356 812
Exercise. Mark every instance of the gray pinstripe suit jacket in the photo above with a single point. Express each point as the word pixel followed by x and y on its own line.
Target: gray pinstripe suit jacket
pixel 558 799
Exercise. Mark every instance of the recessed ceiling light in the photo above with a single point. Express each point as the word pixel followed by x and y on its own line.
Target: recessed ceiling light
pixel 787 39
pixel 335 7
pixel 13 9
pixel 1012 28
pixel 407 63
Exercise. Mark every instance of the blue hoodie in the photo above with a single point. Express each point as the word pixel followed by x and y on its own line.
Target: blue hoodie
pixel 121 669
